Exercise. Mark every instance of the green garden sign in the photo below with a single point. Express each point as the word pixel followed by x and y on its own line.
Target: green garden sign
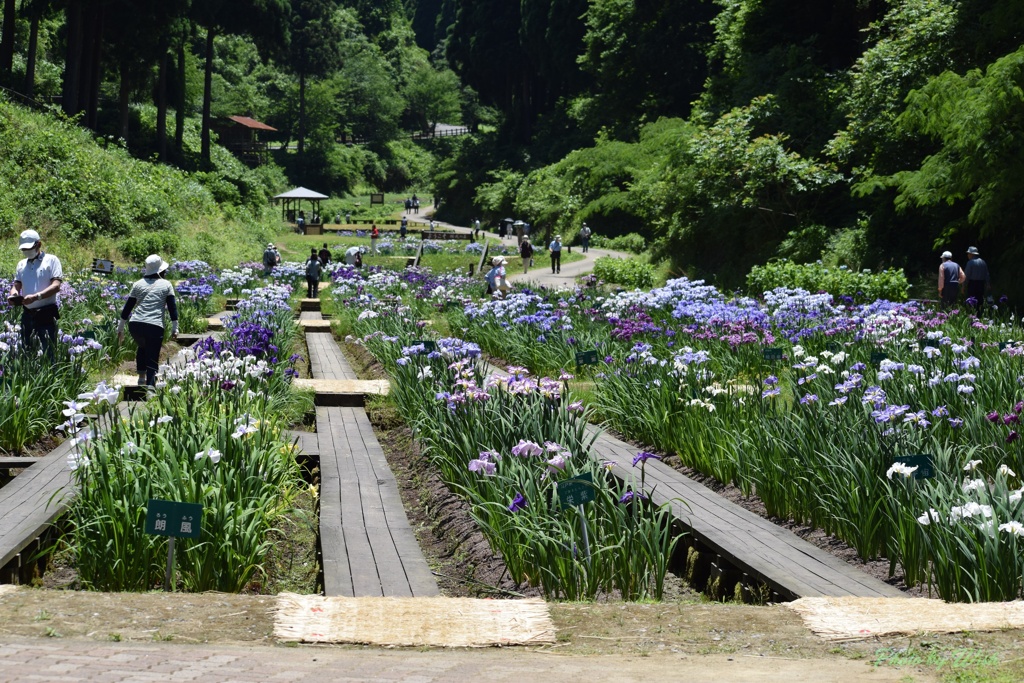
pixel 174 520
pixel 772 354
pixel 925 343
pixel 586 358
pixel 877 357
pixel 576 491
pixel 428 345
pixel 923 462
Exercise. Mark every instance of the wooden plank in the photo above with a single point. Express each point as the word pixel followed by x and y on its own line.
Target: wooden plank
pixel 15 462
pixel 320 326
pixel 787 563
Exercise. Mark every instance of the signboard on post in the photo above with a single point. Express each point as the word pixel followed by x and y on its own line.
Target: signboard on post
pixel 103 266
pixel 428 345
pixel 167 518
pixel 586 358
pixel 772 354
pixel 576 491
pixel 376 198
pixel 877 357
pixel 923 462
pixel 174 520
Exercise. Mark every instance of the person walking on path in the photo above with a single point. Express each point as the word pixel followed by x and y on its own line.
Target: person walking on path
pixel 585 233
pixel 144 313
pixel 476 227
pixel 374 235
pixel 403 229
pixel 526 253
pixel 313 272
pixel 951 276
pixel 269 258
pixel 496 282
pixel 325 258
pixel 556 254
pixel 978 279
pixel 37 280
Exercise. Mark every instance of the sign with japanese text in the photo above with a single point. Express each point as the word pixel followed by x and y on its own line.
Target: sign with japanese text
pixel 168 518
pixel 772 354
pixel 925 467
pixel 576 491
pixel 586 358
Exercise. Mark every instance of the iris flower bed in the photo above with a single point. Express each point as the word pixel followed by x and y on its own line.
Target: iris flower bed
pixel 504 444
pixel 210 435
pixel 810 402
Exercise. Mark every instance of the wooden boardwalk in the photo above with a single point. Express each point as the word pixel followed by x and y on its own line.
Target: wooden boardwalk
pixel 368 547
pixel 789 565
pixel 326 360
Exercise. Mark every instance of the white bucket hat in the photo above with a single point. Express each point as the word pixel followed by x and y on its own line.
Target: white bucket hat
pixel 947 254
pixel 154 265
pixel 28 239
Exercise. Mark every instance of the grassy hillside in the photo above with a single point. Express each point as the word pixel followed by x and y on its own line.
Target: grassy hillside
pixel 88 198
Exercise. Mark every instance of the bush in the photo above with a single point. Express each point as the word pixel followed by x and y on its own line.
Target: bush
pixel 137 248
pixel 859 286
pixel 626 272
pixel 632 242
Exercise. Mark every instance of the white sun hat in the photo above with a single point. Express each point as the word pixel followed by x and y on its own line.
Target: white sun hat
pixel 154 264
pixel 28 239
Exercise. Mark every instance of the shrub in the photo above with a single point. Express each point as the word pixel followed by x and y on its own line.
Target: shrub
pixel 632 242
pixel 626 272
pixel 860 286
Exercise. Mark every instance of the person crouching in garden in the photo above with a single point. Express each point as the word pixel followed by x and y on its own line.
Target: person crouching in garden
pixel 496 282
pixel 313 271
pixel 526 252
pixel 144 312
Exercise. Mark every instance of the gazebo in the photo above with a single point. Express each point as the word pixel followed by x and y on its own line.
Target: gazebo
pixel 291 204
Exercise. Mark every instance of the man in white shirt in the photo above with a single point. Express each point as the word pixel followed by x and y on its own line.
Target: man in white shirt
pixel 37 280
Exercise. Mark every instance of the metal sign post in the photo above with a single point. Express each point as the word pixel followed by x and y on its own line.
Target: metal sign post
pixel 577 492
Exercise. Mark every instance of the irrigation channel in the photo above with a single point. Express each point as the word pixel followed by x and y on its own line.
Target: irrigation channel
pixel 367 547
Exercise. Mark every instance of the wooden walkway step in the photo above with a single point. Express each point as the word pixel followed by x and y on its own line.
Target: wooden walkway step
pixel 367 545
pixel 309 304
pixel 789 565
pixel 343 392
pixel 323 326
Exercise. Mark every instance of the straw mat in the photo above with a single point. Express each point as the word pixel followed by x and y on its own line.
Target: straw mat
pixel 439 622
pixel 851 618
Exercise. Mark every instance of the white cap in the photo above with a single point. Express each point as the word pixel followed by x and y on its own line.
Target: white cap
pixel 154 264
pixel 28 239
pixel 497 261
pixel 558 238
pixel 947 254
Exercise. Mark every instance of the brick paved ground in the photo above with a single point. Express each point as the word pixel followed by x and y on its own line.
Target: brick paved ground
pixel 60 660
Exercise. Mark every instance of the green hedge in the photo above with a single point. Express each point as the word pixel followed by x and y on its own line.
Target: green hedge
pixel 626 272
pixel 860 286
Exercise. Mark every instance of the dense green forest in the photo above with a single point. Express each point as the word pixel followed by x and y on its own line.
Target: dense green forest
pixel 865 133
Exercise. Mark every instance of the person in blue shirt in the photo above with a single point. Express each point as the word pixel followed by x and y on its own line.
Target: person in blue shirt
pixel 556 254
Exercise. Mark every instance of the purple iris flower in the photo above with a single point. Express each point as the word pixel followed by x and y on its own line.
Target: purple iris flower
pixel 518 503
pixel 644 456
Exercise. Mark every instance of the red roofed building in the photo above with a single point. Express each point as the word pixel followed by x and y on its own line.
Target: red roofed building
pixel 241 135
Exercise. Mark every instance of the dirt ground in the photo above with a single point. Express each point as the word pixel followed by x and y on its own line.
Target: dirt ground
pixel 727 637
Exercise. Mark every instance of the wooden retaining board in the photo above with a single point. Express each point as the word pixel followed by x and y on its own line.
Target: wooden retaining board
pixel 368 547
pixel 785 562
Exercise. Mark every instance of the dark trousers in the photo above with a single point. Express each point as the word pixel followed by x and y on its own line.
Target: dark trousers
pixel 949 292
pixel 556 262
pixel 976 289
pixel 39 325
pixel 586 244
pixel 148 338
pixel 312 287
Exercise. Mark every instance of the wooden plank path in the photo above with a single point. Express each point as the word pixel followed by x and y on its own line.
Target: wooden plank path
pixel 789 565
pixel 31 502
pixel 28 506
pixel 785 562
pixel 368 547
